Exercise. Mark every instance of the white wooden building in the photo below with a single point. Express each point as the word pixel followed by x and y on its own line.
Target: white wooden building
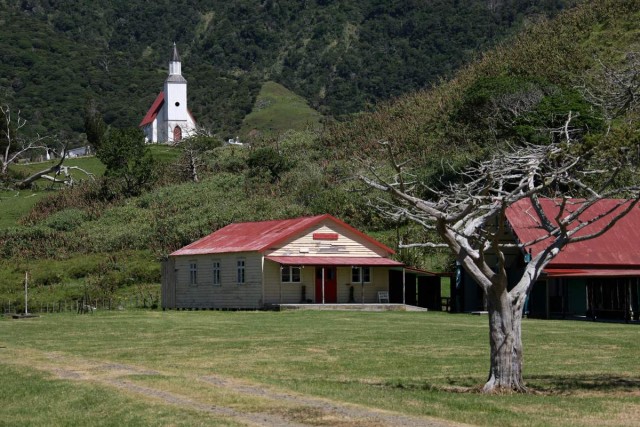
pixel 168 120
pixel 253 265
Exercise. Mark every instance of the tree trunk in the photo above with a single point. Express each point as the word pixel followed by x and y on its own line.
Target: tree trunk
pixel 193 166
pixel 505 329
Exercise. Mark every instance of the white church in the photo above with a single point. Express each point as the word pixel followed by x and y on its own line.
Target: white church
pixel 169 120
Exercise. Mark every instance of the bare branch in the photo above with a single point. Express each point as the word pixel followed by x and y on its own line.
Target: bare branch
pixel 423 245
pixel 616 90
pixel 611 221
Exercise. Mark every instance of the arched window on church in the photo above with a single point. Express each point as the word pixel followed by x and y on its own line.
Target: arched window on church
pixel 177 134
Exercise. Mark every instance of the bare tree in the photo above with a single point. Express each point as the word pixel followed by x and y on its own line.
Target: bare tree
pixel 470 218
pixel 56 174
pixel 615 89
pixel 14 147
pixel 194 150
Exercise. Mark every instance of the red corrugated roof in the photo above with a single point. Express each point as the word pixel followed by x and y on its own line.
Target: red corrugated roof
pixel 262 235
pixel 153 111
pixel 327 260
pixel 617 248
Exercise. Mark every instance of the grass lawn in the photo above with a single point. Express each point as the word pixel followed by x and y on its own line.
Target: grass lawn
pixel 15 204
pixel 164 152
pixel 90 164
pixel 424 364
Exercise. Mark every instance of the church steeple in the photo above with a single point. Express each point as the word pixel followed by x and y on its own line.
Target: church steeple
pixel 174 56
pixel 175 66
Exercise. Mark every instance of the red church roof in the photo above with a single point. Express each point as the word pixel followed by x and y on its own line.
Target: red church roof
pixel 617 248
pixel 153 111
pixel 263 235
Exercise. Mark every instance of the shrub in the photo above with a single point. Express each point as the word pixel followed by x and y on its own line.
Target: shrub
pixel 66 220
pixel 229 160
pixel 267 162
pixel 31 242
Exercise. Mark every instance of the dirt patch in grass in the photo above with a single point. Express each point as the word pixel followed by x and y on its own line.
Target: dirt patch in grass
pixel 286 409
pixel 325 412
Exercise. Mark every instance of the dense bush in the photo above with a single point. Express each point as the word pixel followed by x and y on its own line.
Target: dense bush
pixel 524 109
pixel 343 56
pixel 267 162
pixel 544 66
pixel 29 242
pixel 88 196
pixel 130 165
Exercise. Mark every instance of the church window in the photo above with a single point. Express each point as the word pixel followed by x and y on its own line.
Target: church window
pixel 177 104
pixel 193 273
pixel 177 134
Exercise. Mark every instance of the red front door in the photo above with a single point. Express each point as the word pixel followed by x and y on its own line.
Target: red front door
pixel 330 285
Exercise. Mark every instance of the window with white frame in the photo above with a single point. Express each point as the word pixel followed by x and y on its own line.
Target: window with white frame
pixel 216 272
pixel 193 273
pixel 291 274
pixel 360 275
pixel 241 270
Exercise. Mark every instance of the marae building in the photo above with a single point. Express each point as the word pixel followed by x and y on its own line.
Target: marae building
pixel 169 120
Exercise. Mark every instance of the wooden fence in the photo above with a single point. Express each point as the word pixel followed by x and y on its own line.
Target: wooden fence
pixel 79 305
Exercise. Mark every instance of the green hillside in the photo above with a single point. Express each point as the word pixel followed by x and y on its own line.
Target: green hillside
pixel 81 237
pixel 518 92
pixel 342 57
pixel 278 110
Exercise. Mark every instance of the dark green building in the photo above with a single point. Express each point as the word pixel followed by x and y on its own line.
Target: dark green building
pixel 597 278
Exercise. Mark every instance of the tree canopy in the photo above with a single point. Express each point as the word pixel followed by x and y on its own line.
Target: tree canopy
pixel 128 160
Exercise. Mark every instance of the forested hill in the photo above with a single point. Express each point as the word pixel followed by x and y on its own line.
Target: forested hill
pixel 342 56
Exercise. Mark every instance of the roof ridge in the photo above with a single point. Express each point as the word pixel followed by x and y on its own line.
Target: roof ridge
pixel 278 220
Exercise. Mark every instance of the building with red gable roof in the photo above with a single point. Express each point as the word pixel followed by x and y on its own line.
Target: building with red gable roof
pixel 168 120
pixel 317 260
pixel 597 278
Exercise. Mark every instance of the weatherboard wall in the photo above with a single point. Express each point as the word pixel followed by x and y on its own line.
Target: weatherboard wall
pixel 321 241
pixel 229 293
